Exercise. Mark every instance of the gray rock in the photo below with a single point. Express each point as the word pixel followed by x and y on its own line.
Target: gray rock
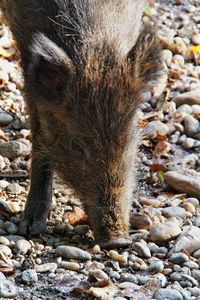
pixel 3 184
pixel 128 277
pixel 155 128
pixel 14 149
pixel 99 274
pixel 191 264
pixel 196 274
pixel 72 266
pixel 2 277
pixel 167 56
pixel 71 252
pixel 168 294
pixel 2 163
pixel 8 289
pixel 185 108
pixel 188 143
pixel 29 276
pixel 196 254
pixel 195 291
pixel 129 285
pixel 196 39
pixel 5 250
pixel 4 241
pixel 156 266
pixel 14 188
pixel 195 109
pixel 185 181
pixel 161 279
pixel 189 278
pixel 173 211
pixel 191 125
pixel 189 98
pixel 22 246
pixel 5 119
pixel 189 240
pixel 178 258
pixel 142 249
pixel 10 227
pixel 165 231
pixel 48 267
pixel 175 276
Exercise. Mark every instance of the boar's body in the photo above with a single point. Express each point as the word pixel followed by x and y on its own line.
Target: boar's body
pixel 85 70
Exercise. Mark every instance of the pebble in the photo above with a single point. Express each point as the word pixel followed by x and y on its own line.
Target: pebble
pixel 173 211
pixel 129 278
pixel 191 125
pixel 14 149
pixel 5 250
pixel 140 221
pixel 142 249
pixel 156 266
pixel 48 267
pixel 3 184
pixel 2 163
pixel 189 98
pixel 29 276
pixel 71 252
pixel 114 255
pixel 185 181
pixel 178 258
pixel 165 231
pixel 195 109
pixel 14 188
pixel 2 277
pixel 185 108
pixel 167 56
pixel 5 119
pixel 10 227
pixel 193 201
pixel 168 294
pixel 129 285
pixel 4 241
pixel 196 39
pixel 98 274
pixel 188 143
pixel 22 247
pixel 8 289
pixel 72 266
pixel 195 291
pixel 155 128
pixel 188 240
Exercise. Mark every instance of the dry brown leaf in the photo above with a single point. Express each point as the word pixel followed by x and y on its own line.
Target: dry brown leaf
pixel 161 149
pixel 76 216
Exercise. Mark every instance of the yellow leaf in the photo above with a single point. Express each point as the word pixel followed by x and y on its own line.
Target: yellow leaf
pixel 195 49
pixel 106 293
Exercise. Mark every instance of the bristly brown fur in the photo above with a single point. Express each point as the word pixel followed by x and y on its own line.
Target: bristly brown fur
pixel 85 75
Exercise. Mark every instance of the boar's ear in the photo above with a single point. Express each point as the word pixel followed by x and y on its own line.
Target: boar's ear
pixel 51 69
pixel 146 58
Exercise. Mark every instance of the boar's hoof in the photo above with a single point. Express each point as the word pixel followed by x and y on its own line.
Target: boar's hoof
pixel 118 243
pixel 29 228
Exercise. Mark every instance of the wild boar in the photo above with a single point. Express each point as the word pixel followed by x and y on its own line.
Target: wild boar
pixel 86 65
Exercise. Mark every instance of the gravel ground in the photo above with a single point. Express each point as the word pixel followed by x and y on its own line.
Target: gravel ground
pixel 164 260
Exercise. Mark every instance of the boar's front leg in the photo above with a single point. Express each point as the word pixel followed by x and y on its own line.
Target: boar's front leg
pixel 40 195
